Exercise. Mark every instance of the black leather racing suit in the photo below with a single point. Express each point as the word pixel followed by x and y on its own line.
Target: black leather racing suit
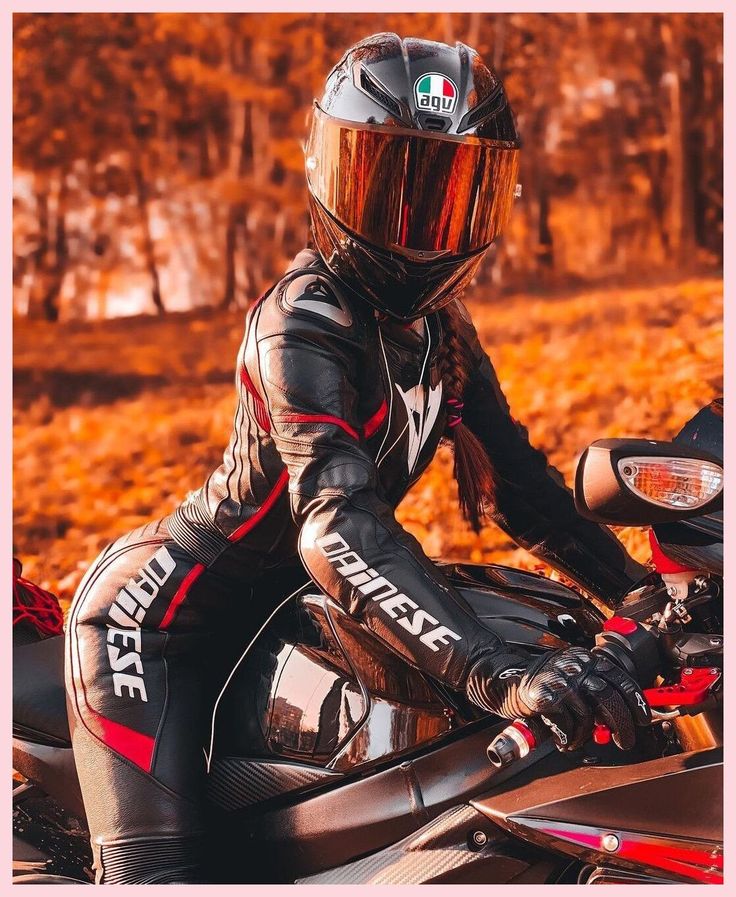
pixel 338 414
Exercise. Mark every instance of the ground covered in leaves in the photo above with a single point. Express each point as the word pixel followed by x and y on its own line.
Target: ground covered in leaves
pixel 114 422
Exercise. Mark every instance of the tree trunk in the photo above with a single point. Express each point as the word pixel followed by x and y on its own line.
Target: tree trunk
pixel 678 201
pixel 473 35
pixel 50 260
pixel 537 205
pixel 235 216
pixel 241 148
pixel 499 36
pixel 40 253
pixel 546 247
pixel 261 164
pixel 149 249
pixel 61 257
pixel 448 29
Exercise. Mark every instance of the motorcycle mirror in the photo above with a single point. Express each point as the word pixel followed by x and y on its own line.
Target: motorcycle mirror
pixel 638 482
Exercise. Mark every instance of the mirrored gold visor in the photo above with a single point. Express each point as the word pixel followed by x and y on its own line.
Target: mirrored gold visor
pixel 414 191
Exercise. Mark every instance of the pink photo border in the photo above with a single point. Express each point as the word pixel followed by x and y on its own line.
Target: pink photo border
pixel 729 8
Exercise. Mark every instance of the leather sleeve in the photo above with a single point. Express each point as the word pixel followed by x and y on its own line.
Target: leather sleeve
pixel 532 503
pixel 350 541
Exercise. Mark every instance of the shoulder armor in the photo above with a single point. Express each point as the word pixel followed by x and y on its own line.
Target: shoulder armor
pixel 309 300
pixel 312 293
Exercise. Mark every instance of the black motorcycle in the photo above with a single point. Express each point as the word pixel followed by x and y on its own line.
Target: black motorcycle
pixel 332 761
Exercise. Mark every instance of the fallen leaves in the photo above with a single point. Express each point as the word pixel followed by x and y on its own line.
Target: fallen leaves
pixel 114 422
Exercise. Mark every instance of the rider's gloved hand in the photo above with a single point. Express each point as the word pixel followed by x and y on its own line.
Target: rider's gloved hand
pixel 570 690
pixel 493 682
pixel 574 688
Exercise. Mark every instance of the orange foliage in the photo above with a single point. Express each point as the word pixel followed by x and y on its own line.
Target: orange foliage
pixel 115 421
pixel 158 162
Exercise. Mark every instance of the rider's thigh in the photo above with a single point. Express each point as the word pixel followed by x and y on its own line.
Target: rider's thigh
pixel 139 635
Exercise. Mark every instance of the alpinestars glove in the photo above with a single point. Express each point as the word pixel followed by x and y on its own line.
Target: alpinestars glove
pixel 570 690
pixel 493 682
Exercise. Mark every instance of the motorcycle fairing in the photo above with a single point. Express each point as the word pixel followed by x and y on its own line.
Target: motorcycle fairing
pixel 297 835
pixel 698 542
pixel 646 806
pixel 700 861
pixel 460 846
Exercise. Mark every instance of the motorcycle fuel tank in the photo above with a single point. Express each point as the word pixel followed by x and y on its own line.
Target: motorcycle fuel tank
pixel 329 694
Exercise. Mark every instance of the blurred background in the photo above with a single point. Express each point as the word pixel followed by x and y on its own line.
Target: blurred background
pixel 159 189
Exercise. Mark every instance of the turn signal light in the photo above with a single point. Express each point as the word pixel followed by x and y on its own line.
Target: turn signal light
pixel 685 483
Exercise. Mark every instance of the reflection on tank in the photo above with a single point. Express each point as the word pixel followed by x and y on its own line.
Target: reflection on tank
pixel 328 693
pixel 326 708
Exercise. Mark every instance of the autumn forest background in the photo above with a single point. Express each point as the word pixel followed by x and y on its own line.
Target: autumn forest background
pixel 159 188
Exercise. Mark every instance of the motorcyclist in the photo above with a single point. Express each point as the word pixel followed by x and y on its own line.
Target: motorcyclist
pixel 352 369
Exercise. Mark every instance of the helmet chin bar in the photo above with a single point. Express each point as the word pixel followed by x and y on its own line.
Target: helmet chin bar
pixel 390 281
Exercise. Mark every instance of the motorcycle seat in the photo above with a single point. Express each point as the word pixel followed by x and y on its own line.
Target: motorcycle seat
pixel 39 700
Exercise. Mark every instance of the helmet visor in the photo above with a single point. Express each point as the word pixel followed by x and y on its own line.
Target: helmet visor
pixel 414 192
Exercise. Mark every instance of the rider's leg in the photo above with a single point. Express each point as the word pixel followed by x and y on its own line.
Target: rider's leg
pixel 136 659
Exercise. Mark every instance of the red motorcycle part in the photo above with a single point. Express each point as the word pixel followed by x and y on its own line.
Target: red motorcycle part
pixel 699 861
pixel 693 688
pixel 621 625
pixel 663 564
pixel 35 605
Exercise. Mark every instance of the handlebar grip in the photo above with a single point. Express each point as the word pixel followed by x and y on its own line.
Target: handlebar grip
pixel 522 736
pixel 517 740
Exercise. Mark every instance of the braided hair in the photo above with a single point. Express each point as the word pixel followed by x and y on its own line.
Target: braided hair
pixel 472 467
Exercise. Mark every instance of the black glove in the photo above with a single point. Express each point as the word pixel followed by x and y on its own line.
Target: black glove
pixel 493 683
pixel 574 688
pixel 570 689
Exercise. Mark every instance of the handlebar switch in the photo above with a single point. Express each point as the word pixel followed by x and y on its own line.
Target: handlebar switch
pixel 632 646
pixel 601 734
pixel 621 625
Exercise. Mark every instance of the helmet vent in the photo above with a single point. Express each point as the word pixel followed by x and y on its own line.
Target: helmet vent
pixel 487 108
pixel 434 122
pixel 381 96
